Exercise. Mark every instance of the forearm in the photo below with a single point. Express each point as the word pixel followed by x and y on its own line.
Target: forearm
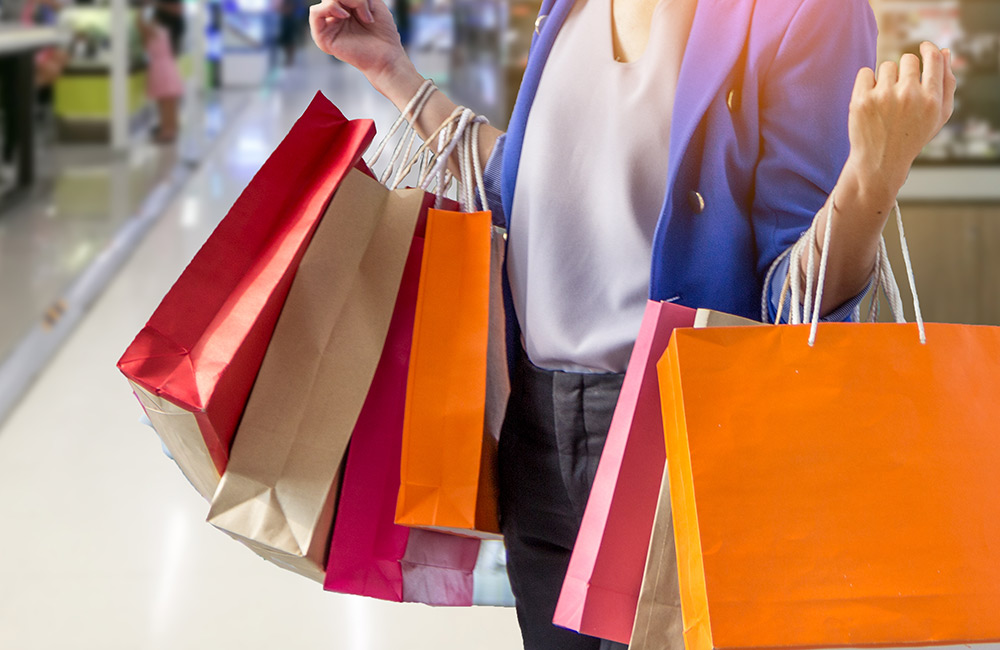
pixel 402 81
pixel 891 118
pixel 860 212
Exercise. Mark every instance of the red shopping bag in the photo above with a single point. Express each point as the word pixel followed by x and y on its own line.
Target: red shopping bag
pixel 370 555
pixel 193 364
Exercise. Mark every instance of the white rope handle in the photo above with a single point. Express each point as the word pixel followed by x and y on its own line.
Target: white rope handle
pixel 823 261
pixel 884 278
pixel 409 116
pixel 443 154
pixel 765 298
pixel 427 148
pixel 412 129
pixel 471 168
pixel 459 131
pixel 909 274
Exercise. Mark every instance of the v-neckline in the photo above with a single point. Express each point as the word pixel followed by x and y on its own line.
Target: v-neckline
pixel 609 31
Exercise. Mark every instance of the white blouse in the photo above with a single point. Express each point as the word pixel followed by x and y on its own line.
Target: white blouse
pixel 590 189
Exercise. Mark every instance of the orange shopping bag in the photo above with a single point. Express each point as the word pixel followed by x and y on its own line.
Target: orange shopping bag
pixel 839 494
pixel 457 386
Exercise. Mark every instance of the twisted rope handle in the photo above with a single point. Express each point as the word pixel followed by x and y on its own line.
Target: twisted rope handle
pixel 409 116
pixel 428 147
pixel 909 274
pixel 471 167
pixel 460 131
pixel 883 276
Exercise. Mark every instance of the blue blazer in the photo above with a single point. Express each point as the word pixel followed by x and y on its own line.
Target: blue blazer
pixel 758 140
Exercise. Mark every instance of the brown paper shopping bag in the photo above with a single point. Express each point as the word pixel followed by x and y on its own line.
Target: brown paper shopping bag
pixel 658 622
pixel 279 489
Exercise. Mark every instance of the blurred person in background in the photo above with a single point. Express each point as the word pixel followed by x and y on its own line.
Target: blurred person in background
pixel 170 15
pixel 163 79
pixel 676 151
pixel 290 27
pixel 49 65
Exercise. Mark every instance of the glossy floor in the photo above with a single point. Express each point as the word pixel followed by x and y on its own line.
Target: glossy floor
pixel 84 194
pixel 103 544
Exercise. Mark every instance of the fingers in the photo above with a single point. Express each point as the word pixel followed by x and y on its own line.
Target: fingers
pixel 863 84
pixel 361 9
pixel 933 78
pixel 949 85
pixel 949 72
pixel 378 6
pixel 322 13
pixel 888 75
pixel 909 69
pixel 332 10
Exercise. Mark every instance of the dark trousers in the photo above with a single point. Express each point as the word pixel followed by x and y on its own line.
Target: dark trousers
pixel 550 444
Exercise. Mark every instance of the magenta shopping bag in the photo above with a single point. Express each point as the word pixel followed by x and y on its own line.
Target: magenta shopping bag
pixel 601 589
pixel 369 554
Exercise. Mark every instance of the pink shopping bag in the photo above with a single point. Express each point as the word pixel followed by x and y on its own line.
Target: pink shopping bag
pixel 601 589
pixel 369 554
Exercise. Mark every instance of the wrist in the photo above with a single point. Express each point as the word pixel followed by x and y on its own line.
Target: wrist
pixel 875 187
pixel 397 79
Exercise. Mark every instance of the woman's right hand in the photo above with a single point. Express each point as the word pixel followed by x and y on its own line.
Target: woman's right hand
pixel 358 32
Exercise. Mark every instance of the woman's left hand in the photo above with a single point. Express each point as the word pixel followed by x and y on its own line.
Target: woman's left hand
pixel 894 117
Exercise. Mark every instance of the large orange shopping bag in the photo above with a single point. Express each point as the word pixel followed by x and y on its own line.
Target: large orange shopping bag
pixel 835 485
pixel 193 364
pixel 457 385
pixel 370 555
pixel 601 588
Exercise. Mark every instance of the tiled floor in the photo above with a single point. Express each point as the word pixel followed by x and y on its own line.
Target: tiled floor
pixel 103 544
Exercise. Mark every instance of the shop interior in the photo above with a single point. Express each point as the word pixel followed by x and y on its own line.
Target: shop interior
pixel 94 187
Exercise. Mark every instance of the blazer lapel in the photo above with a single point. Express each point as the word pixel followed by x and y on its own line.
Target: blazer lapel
pixel 718 35
pixel 554 12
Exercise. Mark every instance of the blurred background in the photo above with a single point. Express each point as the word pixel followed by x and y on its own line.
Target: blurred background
pixel 128 129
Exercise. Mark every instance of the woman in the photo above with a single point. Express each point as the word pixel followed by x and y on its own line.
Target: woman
pixel 170 14
pixel 672 150
pixel 164 84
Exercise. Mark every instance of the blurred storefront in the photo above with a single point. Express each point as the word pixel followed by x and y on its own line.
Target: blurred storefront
pixel 86 177
pixel 951 202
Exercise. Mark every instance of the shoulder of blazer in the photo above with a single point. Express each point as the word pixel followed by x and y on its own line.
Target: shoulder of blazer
pixel 780 18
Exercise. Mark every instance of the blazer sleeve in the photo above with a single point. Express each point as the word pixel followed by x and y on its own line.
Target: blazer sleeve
pixel 804 100
pixel 491 183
